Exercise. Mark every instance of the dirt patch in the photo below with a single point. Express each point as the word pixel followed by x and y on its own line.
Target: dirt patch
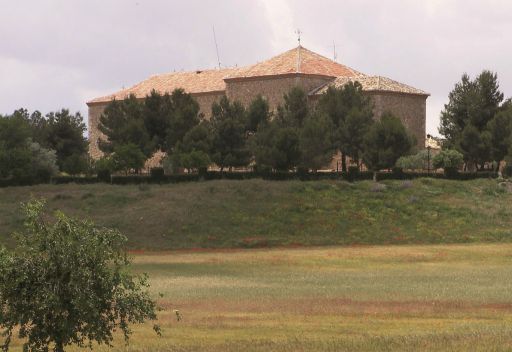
pixel 337 306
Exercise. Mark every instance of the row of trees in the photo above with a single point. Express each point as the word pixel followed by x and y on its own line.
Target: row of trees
pixel 477 121
pixel 296 136
pixel 33 146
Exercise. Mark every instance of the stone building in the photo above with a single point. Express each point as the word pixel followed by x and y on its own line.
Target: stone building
pixel 272 79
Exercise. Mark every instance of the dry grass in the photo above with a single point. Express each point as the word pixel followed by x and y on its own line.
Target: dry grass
pixel 389 298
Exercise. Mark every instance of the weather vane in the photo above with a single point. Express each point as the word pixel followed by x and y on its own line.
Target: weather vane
pixel 298 32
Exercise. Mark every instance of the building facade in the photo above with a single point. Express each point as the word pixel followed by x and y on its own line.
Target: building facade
pixel 272 79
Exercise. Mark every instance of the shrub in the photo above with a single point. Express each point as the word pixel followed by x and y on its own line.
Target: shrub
pixel 67 283
pixel 353 173
pixel 128 157
pixel 104 167
pixel 450 160
pixel 417 161
pixel 157 173
pixel 507 171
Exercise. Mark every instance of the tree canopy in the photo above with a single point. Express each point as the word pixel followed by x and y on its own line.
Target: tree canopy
pixel 67 283
pixel 468 121
pixel 21 158
pixel 123 122
pixel 385 142
pixel 229 134
pixel 351 113
pixel 157 122
pixel 316 142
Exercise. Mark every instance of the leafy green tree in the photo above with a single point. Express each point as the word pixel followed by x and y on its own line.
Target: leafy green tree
pixel 15 155
pixel 277 146
pixel 64 134
pixel 295 109
pixel 500 129
pixel 472 105
pixel 194 160
pixel 76 164
pixel 182 115
pixel 169 117
pixel 258 113
pixel 229 138
pixel 475 145
pixel 128 157
pixel 123 122
pixel 59 131
pixel 351 113
pixel 450 160
pixel 385 142
pixel 276 143
pixel 193 152
pixel 43 162
pixel 352 129
pixel 416 161
pixel 158 122
pixel 316 144
pixel 20 157
pixel 67 283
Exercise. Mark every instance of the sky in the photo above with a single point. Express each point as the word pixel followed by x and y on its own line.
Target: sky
pixel 61 53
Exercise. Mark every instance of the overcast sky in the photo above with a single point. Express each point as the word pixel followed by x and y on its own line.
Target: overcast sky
pixel 61 53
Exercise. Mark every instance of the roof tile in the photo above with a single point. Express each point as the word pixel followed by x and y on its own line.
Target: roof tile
pixel 372 83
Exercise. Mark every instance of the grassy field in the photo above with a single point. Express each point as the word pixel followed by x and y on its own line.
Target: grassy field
pixel 385 298
pixel 257 213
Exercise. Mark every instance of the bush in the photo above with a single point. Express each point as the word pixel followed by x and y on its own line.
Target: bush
pixel 449 158
pixel 353 173
pixel 507 171
pixel 157 173
pixel 128 157
pixel 417 161
pixel 104 176
pixel 103 168
pixel 68 282
pixel 60 180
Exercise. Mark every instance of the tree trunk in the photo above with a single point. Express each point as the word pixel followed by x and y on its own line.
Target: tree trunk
pixel 59 346
pixel 343 162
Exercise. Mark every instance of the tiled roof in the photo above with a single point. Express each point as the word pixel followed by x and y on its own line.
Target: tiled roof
pixel 192 82
pixel 372 83
pixel 296 60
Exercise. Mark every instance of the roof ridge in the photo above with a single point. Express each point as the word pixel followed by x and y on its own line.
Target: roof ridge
pixel 373 83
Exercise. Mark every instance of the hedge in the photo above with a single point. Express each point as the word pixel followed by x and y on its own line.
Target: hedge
pixel 159 178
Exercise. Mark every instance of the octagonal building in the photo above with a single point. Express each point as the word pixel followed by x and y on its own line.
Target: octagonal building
pixel 272 79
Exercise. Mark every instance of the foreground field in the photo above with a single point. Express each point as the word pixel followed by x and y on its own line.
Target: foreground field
pixel 257 213
pixel 388 298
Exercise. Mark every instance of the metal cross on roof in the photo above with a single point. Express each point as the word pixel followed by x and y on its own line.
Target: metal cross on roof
pixel 298 32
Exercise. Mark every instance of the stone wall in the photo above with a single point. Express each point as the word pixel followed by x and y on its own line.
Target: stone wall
pixel 411 109
pixel 205 102
pixel 95 111
pixel 272 88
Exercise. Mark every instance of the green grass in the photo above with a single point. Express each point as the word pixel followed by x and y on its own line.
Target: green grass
pixel 257 213
pixel 383 298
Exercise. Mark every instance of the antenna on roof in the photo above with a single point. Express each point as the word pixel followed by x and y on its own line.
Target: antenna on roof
pixel 216 47
pixel 298 32
pixel 335 55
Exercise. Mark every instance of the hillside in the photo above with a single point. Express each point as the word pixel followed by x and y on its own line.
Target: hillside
pixel 257 213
